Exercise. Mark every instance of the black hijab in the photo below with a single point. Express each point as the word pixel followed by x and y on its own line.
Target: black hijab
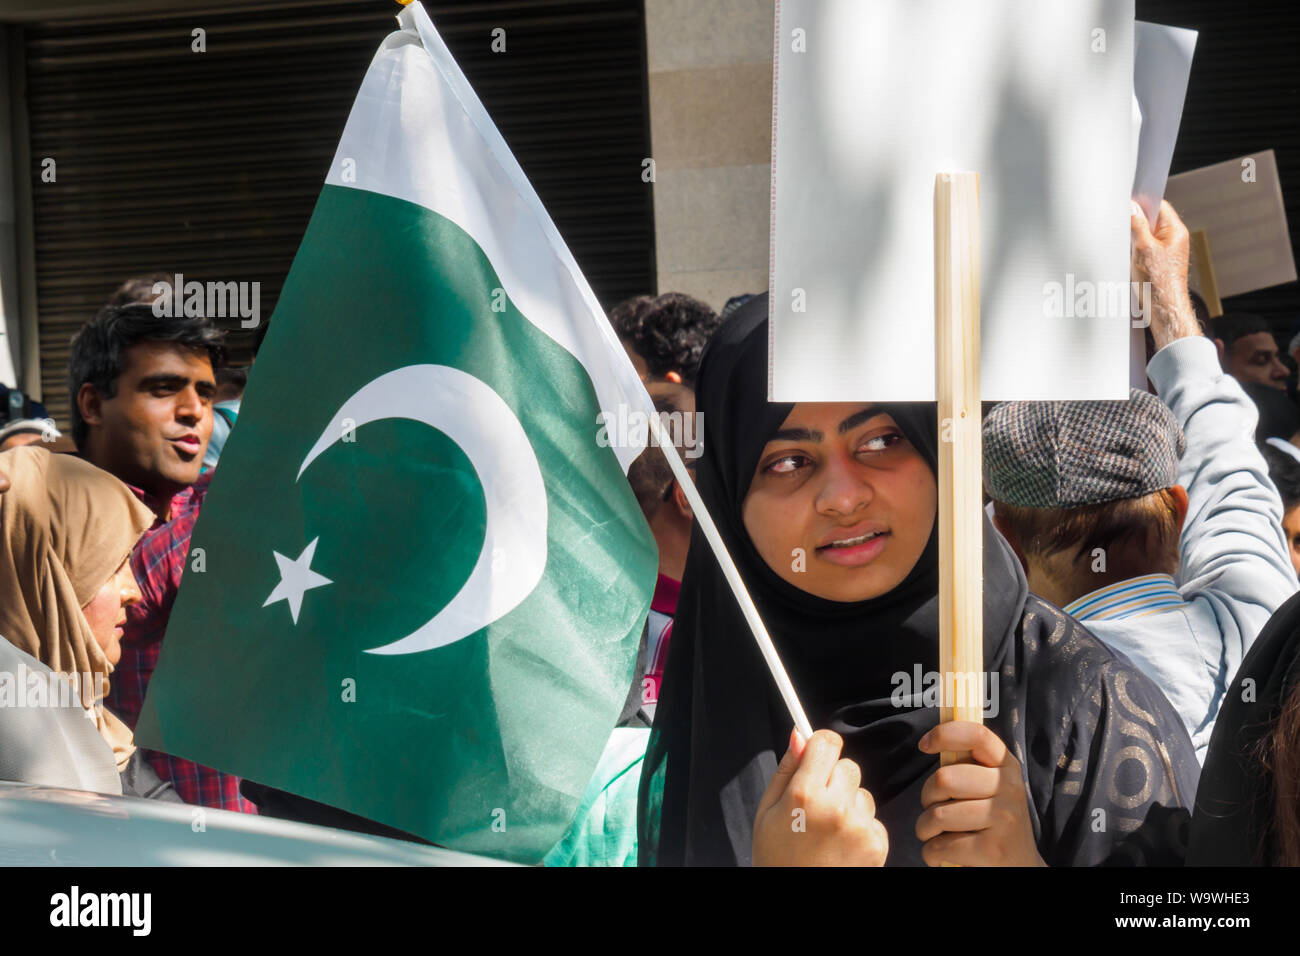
pixel 1232 824
pixel 720 726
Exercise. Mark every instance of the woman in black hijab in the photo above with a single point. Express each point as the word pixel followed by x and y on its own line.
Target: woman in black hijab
pixel 1248 798
pixel 1248 805
pixel 1097 742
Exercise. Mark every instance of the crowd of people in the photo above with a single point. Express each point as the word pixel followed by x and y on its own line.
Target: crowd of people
pixel 1142 693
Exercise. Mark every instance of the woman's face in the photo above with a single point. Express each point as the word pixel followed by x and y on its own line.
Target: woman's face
pixel 841 505
pixel 106 612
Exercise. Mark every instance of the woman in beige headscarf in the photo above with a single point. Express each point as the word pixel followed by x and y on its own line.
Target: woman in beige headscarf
pixel 67 530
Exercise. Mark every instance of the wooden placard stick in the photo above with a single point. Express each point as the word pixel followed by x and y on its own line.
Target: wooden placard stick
pixel 1205 272
pixel 957 387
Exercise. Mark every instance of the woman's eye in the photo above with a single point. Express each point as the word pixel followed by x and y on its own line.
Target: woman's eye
pixel 879 443
pixel 785 465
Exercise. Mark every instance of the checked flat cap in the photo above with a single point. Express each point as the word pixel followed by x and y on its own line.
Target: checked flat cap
pixel 1071 454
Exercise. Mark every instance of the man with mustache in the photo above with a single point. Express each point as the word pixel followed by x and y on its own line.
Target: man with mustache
pixel 142 387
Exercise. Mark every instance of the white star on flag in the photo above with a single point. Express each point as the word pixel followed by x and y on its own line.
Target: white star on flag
pixel 296 579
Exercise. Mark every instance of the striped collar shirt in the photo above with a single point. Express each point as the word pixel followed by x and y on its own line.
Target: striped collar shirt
pixel 1135 597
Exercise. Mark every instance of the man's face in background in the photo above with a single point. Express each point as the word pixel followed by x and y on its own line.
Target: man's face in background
pixel 154 430
pixel 1255 358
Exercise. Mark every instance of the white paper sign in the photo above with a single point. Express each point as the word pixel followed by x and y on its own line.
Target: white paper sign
pixel 1161 69
pixel 1239 204
pixel 1162 66
pixel 872 100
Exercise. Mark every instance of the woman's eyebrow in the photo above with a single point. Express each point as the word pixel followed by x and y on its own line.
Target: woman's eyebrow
pixel 857 418
pixel 808 434
pixel 797 434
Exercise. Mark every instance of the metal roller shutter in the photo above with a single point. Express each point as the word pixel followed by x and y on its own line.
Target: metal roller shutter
pixel 209 163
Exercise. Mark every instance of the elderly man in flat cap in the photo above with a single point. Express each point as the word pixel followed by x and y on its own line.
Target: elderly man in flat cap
pixel 1152 521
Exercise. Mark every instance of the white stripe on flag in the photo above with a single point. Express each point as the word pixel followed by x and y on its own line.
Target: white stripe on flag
pixel 417 132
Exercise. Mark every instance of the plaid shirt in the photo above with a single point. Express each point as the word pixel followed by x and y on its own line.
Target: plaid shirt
pixel 663 606
pixel 158 562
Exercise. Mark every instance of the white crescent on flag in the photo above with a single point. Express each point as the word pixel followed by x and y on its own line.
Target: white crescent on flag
pixel 478 420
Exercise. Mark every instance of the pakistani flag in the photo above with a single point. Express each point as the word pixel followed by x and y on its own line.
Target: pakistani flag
pixel 423 578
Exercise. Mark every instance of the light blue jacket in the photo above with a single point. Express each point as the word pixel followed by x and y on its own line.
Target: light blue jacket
pixel 223 422
pixel 1189 634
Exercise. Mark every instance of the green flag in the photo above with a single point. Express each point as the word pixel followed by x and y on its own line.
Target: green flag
pixel 423 574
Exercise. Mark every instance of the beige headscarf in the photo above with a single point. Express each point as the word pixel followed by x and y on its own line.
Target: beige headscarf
pixel 65 528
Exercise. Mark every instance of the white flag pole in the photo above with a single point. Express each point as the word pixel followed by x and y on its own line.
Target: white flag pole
pixel 415 15
pixel 732 575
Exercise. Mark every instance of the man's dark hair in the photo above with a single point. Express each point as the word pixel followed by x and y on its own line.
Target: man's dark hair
pixel 668 331
pixel 625 316
pixel 1235 325
pixel 98 351
pixel 1285 472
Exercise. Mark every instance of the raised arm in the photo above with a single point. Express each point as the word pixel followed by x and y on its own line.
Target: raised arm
pixel 1232 548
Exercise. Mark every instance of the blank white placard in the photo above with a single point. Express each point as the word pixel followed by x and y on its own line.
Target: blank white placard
pixel 873 98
